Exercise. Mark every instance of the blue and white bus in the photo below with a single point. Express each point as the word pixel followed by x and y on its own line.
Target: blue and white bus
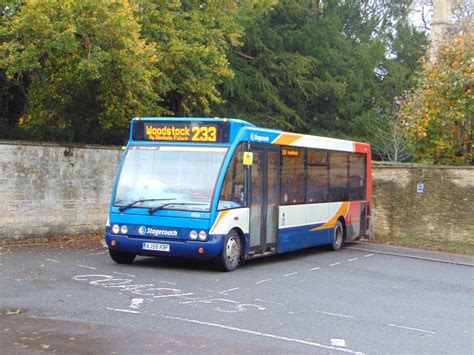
pixel 227 190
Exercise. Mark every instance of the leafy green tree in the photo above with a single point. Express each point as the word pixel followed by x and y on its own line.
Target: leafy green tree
pixel 88 70
pixel 322 66
pixel 192 38
pixel 12 105
pixel 438 112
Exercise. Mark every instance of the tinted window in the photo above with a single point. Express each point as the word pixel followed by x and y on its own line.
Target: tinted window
pixel 232 193
pixel 292 176
pixel 357 179
pixel 338 176
pixel 317 176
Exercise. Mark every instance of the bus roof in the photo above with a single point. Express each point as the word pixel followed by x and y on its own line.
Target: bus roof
pixel 244 131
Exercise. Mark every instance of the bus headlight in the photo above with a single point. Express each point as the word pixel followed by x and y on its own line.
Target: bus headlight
pixel 124 229
pixel 193 234
pixel 202 235
pixel 116 228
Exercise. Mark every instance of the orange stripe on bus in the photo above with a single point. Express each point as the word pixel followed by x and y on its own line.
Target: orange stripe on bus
pixel 219 218
pixel 287 138
pixel 332 222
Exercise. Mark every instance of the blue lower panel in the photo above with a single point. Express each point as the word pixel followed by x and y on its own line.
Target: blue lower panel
pixel 300 237
pixel 181 248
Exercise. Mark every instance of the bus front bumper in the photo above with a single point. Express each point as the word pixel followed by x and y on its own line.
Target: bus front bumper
pixel 210 248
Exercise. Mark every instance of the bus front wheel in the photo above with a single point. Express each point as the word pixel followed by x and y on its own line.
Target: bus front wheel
pixel 231 251
pixel 338 239
pixel 121 257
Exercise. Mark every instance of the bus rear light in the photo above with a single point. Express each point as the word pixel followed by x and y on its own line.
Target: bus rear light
pixel 193 235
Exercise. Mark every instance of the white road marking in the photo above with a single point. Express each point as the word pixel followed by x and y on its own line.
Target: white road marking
pixel 366 256
pixel 293 273
pixel 262 281
pixel 338 342
pixel 120 273
pixel 337 315
pixel 273 336
pixel 409 328
pixel 315 268
pixel 53 261
pixel 353 259
pixel 232 289
pixel 271 302
pixel 87 267
pixel 174 295
pixel 334 264
pixel 136 302
pixel 168 283
pixel 122 310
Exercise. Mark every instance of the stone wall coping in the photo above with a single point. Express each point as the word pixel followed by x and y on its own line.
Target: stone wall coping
pixel 375 164
pixel 59 145
pixel 390 165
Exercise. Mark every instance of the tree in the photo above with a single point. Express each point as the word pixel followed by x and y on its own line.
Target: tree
pixel 12 105
pixel 322 66
pixel 438 112
pixel 192 37
pixel 88 71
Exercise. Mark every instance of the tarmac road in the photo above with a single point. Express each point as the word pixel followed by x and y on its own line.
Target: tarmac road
pixel 71 299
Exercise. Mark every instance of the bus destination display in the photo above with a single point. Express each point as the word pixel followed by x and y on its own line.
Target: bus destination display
pixel 176 131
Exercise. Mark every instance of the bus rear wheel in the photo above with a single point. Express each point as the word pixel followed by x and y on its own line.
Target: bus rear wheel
pixel 122 257
pixel 232 250
pixel 338 239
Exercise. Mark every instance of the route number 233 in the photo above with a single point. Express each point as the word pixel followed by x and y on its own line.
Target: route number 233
pixel 204 134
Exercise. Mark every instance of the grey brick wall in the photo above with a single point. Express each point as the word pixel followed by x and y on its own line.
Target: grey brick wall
pixel 54 190
pixel 445 209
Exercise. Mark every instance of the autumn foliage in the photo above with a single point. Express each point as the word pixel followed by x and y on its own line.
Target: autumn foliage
pixel 438 112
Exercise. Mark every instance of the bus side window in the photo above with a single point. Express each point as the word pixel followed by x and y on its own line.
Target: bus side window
pixel 338 176
pixel 317 172
pixel 292 176
pixel 232 193
pixel 357 164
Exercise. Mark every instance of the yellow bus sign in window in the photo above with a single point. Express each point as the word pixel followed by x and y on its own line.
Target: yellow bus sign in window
pixel 248 158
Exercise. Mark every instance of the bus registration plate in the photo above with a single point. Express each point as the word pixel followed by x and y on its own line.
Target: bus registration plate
pixel 156 246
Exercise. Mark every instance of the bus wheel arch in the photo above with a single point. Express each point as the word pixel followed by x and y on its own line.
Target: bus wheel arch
pixel 231 254
pixel 242 240
pixel 339 234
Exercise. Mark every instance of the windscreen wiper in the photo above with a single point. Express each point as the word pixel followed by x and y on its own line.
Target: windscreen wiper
pixel 154 209
pixel 123 208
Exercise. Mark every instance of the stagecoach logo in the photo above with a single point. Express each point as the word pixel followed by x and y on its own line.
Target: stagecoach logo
pixel 255 137
pixel 142 230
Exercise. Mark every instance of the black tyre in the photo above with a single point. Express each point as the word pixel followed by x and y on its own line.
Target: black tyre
pixel 230 257
pixel 122 257
pixel 338 240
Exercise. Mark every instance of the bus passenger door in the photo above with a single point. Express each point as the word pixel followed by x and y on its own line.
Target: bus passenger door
pixel 264 197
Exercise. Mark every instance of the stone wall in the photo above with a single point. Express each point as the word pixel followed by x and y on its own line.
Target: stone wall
pixel 55 190
pixel 444 210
